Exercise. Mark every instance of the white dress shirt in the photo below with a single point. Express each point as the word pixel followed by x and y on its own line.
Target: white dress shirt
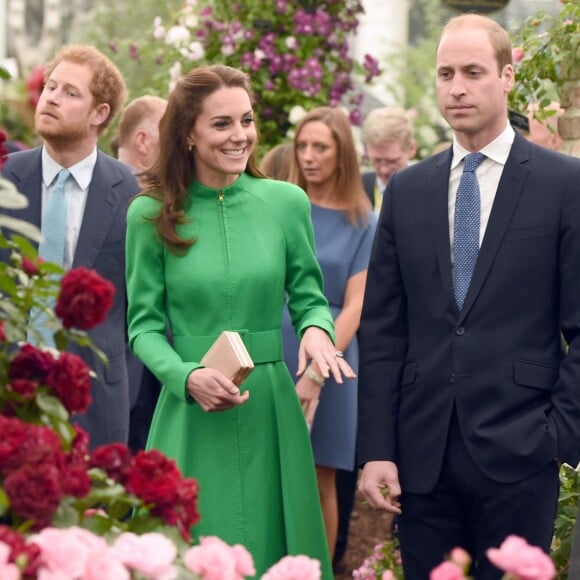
pixel 76 190
pixel 488 176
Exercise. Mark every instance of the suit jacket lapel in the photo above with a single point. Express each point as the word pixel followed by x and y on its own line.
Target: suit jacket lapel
pixel 102 201
pixel 29 182
pixel 439 215
pixel 506 199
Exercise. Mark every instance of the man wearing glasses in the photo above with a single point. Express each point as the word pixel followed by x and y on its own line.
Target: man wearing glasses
pixel 390 146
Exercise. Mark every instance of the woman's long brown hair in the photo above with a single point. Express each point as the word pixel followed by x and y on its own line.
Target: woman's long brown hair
pixel 174 170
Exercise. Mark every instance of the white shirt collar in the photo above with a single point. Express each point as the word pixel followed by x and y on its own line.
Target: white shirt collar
pixel 81 171
pixel 498 150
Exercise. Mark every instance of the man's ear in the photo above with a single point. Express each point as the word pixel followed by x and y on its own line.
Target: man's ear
pixel 140 138
pixel 101 113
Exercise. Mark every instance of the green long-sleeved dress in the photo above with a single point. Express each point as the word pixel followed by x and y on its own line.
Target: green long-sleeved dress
pixel 254 462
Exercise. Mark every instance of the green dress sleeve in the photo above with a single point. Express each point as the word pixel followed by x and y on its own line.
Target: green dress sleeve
pixel 307 304
pixel 145 270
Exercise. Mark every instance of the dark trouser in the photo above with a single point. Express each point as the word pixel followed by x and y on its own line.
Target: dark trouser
pixel 345 491
pixel 470 510
pixel 142 411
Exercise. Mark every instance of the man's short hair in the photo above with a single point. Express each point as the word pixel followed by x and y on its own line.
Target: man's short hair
pixel 107 85
pixel 386 125
pixel 139 109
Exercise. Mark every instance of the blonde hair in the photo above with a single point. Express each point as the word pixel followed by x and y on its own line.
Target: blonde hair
pixel 386 125
pixel 277 162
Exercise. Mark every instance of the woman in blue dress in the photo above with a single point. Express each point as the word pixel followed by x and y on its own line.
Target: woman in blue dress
pixel 326 167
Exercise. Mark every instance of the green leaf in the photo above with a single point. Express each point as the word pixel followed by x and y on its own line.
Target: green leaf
pixel 52 406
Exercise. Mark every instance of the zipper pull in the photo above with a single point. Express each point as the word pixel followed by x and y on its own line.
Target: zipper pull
pixel 221 195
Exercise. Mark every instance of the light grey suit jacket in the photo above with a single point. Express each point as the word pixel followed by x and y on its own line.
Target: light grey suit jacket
pixel 101 246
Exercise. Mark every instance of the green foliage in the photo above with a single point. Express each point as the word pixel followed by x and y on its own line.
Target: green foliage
pixel 412 81
pixel 297 53
pixel 551 48
pixel 565 520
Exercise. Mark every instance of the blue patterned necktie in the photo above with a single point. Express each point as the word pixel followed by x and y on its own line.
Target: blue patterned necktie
pixel 466 229
pixel 51 249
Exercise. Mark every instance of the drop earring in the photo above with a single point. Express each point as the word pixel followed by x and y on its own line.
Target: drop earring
pixel 190 147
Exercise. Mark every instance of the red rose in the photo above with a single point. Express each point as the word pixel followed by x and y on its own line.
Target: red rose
pixel 183 513
pixel 29 266
pixel 34 493
pixel 3 150
pixel 2 333
pixel 12 438
pixel 24 387
pixel 29 554
pixel 79 452
pixel 31 363
pixel 76 481
pixel 36 444
pixel 34 85
pixel 154 478
pixel 85 299
pixel 114 459
pixel 71 380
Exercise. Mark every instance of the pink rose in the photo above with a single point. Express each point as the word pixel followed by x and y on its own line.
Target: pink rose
pixel 294 568
pixel 212 560
pixel 518 558
pixel 517 54
pixel 66 551
pixel 8 571
pixel 460 557
pixel 388 575
pixel 105 564
pixel 244 561
pixel 447 571
pixel 150 554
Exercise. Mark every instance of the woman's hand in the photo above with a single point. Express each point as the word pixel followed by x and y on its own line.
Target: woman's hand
pixel 316 345
pixel 213 391
pixel 308 393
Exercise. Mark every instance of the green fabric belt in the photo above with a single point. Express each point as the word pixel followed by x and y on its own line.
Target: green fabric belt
pixel 263 347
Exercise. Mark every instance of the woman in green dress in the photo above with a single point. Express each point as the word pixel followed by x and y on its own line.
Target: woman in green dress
pixel 213 246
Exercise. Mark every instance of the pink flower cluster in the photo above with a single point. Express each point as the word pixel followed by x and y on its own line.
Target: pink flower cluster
pixel 76 553
pixel 294 568
pixel 213 559
pixel 522 561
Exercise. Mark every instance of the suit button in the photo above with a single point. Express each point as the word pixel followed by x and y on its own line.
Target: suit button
pixel 452 378
pixel 460 331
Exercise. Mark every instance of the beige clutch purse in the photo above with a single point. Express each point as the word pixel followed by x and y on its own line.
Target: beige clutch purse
pixel 228 354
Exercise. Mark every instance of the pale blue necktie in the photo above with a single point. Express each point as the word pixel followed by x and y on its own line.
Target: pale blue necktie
pixel 466 229
pixel 51 249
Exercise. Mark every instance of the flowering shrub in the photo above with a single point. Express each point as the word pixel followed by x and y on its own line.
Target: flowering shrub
pixel 297 53
pixel 385 559
pixel 545 47
pixel 17 106
pixel 515 557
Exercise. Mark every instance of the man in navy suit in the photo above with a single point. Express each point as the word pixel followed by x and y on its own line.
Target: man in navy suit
pixel 466 412
pixel 83 92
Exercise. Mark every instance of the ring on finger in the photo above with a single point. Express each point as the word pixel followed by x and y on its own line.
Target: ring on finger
pixel 339 354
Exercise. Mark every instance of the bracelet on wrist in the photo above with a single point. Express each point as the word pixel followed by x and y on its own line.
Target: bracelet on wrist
pixel 311 374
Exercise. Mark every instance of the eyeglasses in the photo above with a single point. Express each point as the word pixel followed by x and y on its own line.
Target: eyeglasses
pixel 387 162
